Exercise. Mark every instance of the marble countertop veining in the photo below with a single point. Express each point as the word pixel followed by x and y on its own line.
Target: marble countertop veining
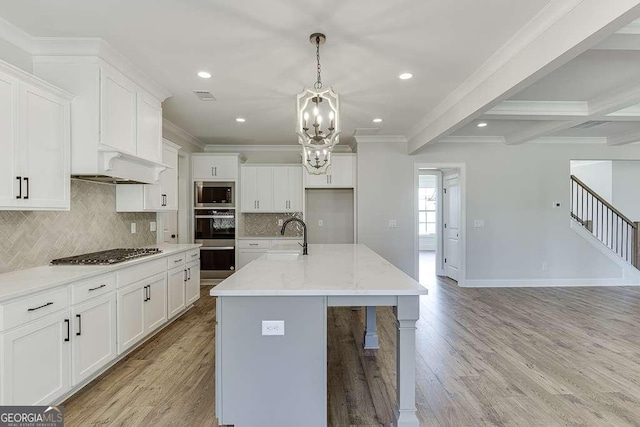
pixel 328 270
pixel 19 283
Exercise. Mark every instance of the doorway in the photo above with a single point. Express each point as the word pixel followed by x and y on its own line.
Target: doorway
pixel 439 223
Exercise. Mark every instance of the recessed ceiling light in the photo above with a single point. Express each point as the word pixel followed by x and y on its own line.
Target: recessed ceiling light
pixel 405 76
pixel 204 74
pixel 377 120
pixel 240 120
pixel 482 124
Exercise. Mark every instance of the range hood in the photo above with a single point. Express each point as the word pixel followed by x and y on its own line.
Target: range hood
pixel 116 167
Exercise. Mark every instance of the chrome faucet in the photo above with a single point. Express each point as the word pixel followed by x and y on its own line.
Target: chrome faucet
pixel 304 229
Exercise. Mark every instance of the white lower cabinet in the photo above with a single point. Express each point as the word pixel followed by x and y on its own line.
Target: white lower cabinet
pixel 192 288
pixel 94 336
pixel 176 290
pixel 36 361
pixel 142 308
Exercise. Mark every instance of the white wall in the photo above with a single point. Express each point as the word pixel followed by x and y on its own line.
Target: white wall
pixel 511 188
pixel 626 196
pixel 597 174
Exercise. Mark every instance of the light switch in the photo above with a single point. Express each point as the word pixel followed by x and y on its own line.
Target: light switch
pixel 273 327
pixel 320 223
pixel 152 226
pixel 393 223
pixel 478 223
pixel 133 228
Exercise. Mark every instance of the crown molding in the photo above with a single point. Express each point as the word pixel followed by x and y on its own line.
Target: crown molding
pixel 53 49
pixel 235 148
pixel 176 130
pixel 461 139
pixel 366 139
pixel 16 36
pixel 568 140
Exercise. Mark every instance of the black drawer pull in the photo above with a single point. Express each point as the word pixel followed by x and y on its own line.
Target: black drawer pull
pixel 68 330
pixel 42 306
pixel 26 180
pixel 96 288
pixel 79 325
pixel 19 196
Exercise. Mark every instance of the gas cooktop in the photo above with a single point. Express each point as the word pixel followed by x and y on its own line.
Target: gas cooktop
pixel 112 256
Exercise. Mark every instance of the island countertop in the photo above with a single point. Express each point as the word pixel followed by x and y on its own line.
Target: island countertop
pixel 328 270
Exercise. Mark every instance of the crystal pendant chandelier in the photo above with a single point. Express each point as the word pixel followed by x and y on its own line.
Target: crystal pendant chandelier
pixel 318 120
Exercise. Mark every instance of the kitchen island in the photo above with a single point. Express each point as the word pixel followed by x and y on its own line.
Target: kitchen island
pixel 271 332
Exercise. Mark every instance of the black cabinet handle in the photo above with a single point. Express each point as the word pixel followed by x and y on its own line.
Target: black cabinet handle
pixel 26 180
pixel 189 278
pixel 149 288
pixel 185 276
pixel 68 330
pixel 146 297
pixel 42 306
pixel 79 325
pixel 96 288
pixel 19 196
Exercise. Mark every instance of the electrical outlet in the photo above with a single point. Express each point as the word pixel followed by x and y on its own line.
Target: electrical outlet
pixel 153 226
pixel 393 223
pixel 280 222
pixel 478 223
pixel 273 327
pixel 320 223
pixel 133 228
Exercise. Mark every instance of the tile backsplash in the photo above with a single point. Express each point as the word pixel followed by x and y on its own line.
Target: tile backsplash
pixel 263 224
pixel 31 239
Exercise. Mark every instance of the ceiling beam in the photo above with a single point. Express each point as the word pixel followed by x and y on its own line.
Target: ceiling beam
pixel 538 110
pixel 624 138
pixel 539 130
pixel 626 38
pixel 559 33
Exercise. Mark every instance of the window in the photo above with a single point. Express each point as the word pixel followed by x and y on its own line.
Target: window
pixel 426 210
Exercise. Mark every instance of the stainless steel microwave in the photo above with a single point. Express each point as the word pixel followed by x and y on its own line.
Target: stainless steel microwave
pixel 214 194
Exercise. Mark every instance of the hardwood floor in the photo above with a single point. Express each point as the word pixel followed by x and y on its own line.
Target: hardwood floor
pixel 503 357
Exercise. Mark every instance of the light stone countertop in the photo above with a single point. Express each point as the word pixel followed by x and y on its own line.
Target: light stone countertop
pixel 328 270
pixel 24 282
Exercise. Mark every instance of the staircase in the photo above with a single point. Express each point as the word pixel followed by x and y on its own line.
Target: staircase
pixel 605 222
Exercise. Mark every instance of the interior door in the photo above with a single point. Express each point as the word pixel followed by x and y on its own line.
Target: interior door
pixel 452 227
pixel 9 161
pixel 44 140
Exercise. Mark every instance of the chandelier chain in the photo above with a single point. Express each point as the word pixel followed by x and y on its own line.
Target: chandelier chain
pixel 318 84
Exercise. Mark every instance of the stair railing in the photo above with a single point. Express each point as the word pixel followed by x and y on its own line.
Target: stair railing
pixel 604 221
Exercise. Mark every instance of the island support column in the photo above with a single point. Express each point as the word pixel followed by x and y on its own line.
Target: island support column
pixel 407 314
pixel 371 330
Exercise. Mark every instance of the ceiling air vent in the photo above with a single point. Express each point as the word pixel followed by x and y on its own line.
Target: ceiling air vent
pixel 204 95
pixel 590 124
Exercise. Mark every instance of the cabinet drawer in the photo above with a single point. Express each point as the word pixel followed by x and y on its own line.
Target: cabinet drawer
pixel 133 274
pixel 90 288
pixel 254 244
pixel 192 255
pixel 177 260
pixel 27 309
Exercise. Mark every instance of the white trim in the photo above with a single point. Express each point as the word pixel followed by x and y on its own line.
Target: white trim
pixel 540 283
pixel 33 80
pixel 230 148
pixel 16 36
pixel 540 108
pixel 624 138
pixel 462 139
pixel 462 176
pixel 59 49
pixel 632 28
pixel 568 140
pixel 380 138
pixel 181 133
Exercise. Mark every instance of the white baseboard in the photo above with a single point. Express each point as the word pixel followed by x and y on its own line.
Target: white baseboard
pixel 544 283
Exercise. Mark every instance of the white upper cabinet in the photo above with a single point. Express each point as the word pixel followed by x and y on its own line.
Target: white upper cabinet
pixel 149 125
pixel 161 197
pixel 118 111
pixel 35 140
pixel 211 167
pixel 341 173
pixel 257 189
pixel 287 188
